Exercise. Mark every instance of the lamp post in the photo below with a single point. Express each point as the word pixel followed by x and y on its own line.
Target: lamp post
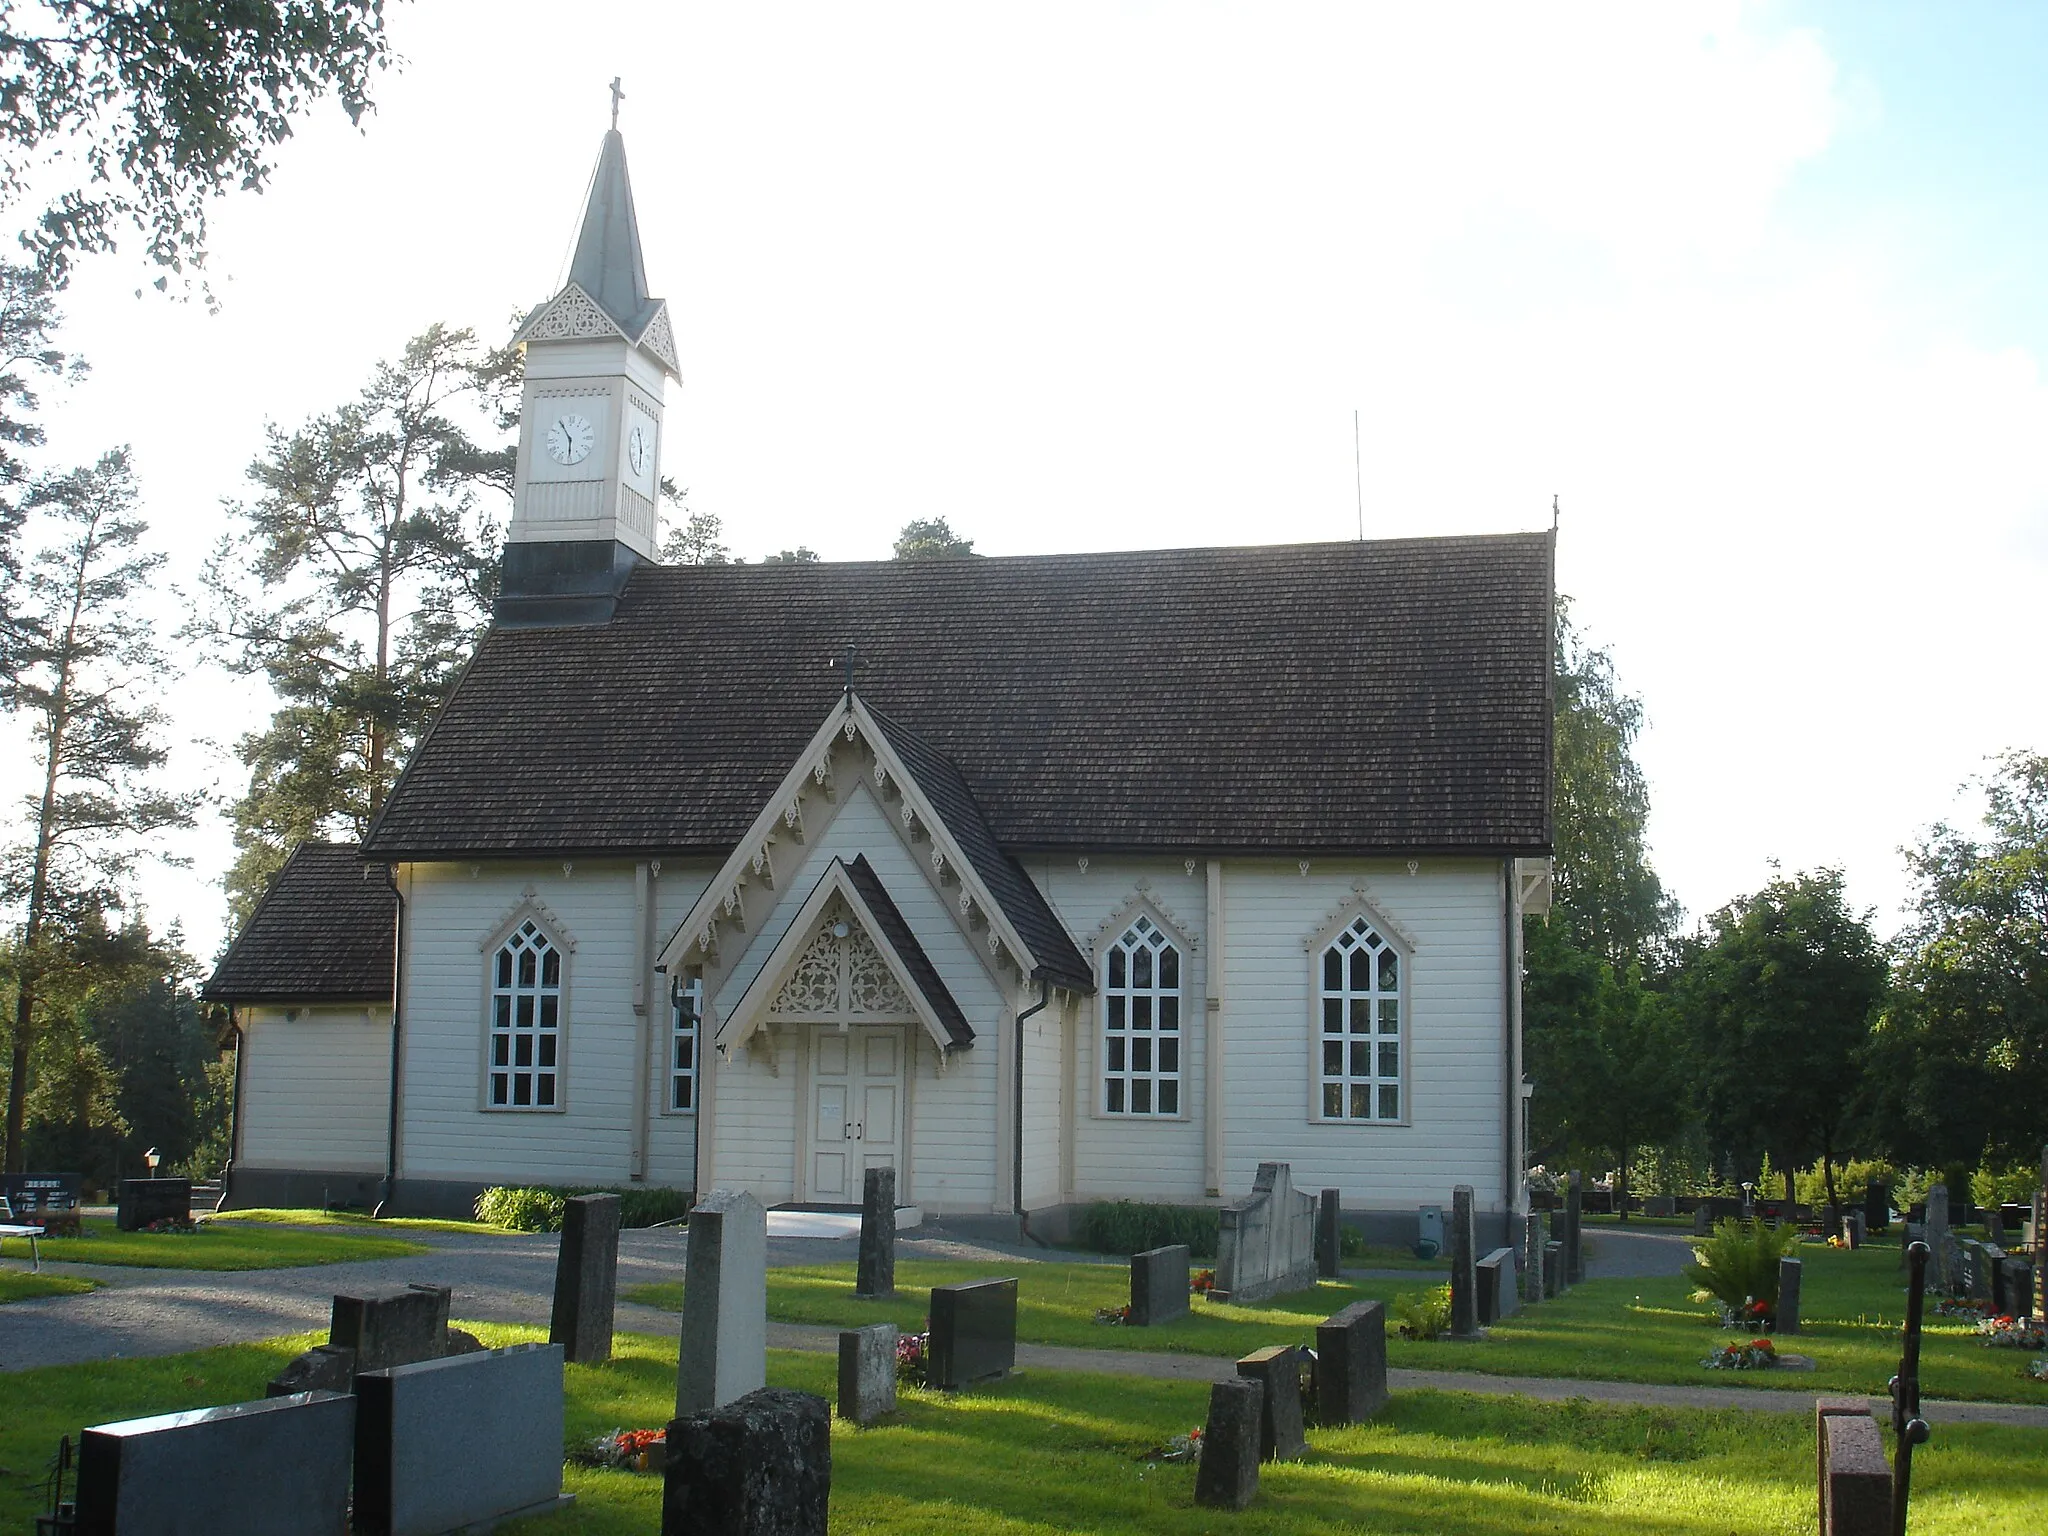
pixel 1748 1199
pixel 151 1158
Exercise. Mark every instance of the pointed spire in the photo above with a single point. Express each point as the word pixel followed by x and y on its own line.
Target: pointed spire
pixel 608 265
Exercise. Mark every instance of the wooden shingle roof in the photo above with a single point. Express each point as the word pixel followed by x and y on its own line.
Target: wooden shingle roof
pixel 1373 697
pixel 324 932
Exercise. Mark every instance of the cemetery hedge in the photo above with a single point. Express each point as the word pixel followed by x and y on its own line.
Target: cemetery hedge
pixel 217 1246
pixel 1126 1227
pixel 1055 1450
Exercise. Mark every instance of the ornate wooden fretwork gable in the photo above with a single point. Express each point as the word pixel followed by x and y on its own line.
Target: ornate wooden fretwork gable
pixel 573 315
pixel 1362 902
pixel 842 978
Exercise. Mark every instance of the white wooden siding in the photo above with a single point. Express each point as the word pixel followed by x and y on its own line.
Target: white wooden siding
pixel 671 1138
pixel 315 1089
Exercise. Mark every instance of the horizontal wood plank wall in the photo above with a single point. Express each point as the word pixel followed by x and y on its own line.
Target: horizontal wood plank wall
pixel 952 1148
pixel 314 1088
pixel 671 1138
pixel 448 1135
pixel 1455 1068
pixel 1131 1157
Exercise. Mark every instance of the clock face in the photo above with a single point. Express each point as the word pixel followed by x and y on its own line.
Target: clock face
pixel 639 449
pixel 570 438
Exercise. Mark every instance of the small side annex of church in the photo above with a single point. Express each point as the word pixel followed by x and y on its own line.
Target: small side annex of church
pixel 1044 880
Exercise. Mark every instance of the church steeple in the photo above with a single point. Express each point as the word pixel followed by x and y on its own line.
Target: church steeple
pixel 588 475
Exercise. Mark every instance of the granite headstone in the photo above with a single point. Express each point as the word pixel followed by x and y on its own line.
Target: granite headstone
pixel 1856 1490
pixel 875 1273
pixel 1277 1370
pixel 1789 1272
pixel 1266 1241
pixel 1535 1238
pixel 1227 1476
pixel 1351 1364
pixel 387 1327
pixel 973 1332
pixel 1574 1234
pixel 1464 1258
pixel 760 1465
pixel 867 1372
pixel 143 1201
pixel 1329 1235
pixel 586 1279
pixel 724 1350
pixel 1159 1286
pixel 1497 1286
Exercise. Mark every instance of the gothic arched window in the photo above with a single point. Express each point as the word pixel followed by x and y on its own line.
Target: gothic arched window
pixel 686 1011
pixel 526 1021
pixel 1361 1027
pixel 1141 1022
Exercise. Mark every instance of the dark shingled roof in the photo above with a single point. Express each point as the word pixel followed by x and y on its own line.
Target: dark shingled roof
pixel 323 932
pixel 1372 697
pixel 897 933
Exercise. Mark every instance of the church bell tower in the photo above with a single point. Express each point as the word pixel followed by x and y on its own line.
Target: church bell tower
pixel 588 477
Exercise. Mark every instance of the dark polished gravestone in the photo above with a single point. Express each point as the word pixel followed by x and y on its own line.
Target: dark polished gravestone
pixel 1789 1273
pixel 1464 1273
pixel 1329 1234
pixel 1351 1364
pixel 446 1444
pixel 759 1466
pixel 1553 1270
pixel 1159 1285
pixel 586 1279
pixel 1227 1476
pixel 2040 1242
pixel 1877 1205
pixel 875 1275
pixel 142 1201
pixel 1277 1370
pixel 279 1467
pixel 867 1372
pixel 973 1332
pixel 1497 1286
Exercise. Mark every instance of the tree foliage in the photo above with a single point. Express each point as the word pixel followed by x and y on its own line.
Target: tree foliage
pixel 1962 1048
pixel 931 538
pixel 29 319
pixel 361 574
pixel 152 108
pixel 87 669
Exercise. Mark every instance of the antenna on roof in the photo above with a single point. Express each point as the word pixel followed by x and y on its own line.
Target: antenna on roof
pixel 1554 513
pixel 1358 473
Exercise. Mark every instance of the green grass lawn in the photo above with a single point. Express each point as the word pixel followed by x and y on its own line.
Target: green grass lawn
pixel 1057 1451
pixel 1605 1330
pixel 219 1246
pixel 21 1284
pixel 311 1217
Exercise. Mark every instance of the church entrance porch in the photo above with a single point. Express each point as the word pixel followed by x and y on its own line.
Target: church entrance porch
pixel 857 1092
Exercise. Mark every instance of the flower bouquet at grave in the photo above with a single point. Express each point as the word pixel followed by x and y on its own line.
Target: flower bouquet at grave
pixel 1737 1267
pixel 1187 1447
pixel 1113 1316
pixel 624 1450
pixel 1756 1355
pixel 913 1357
pixel 1203 1283
pixel 170 1224
pixel 2038 1369
pixel 1750 1316
pixel 1962 1311
pixel 2012 1333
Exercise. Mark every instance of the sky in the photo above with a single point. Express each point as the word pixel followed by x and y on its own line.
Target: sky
pixel 1751 292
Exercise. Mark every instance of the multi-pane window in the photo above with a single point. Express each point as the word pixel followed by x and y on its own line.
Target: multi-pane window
pixel 1141 1023
pixel 526 1020
pixel 686 1008
pixel 1361 1026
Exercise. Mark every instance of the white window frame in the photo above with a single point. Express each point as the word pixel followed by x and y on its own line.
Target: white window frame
pixel 1117 1048
pixel 684 994
pixel 528 925
pixel 1360 925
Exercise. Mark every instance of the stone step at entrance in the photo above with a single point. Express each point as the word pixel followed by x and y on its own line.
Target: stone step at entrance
pixel 801 1219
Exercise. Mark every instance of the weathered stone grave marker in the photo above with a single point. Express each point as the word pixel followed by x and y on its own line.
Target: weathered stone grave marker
pixel 586 1279
pixel 1266 1241
pixel 1856 1483
pixel 973 1332
pixel 724 1350
pixel 760 1465
pixel 1351 1364
pixel 867 1372
pixel 1227 1476
pixel 1277 1370
pixel 1702 1220
pixel 1939 1264
pixel 875 1274
pixel 1553 1269
pixel 1464 1274
pixel 1159 1285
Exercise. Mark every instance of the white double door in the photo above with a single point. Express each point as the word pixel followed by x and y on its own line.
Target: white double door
pixel 856 1110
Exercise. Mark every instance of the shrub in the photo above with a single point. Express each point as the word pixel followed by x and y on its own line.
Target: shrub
pixel 1130 1226
pixel 1738 1264
pixel 523 1210
pixel 1424 1314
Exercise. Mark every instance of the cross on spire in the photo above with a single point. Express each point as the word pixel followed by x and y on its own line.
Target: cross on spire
pixel 617 97
pixel 847 660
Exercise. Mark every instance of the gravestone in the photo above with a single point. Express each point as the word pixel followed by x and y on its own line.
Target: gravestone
pixel 1553 1269
pixel 1277 1370
pixel 1464 1276
pixel 586 1279
pixel 1329 1235
pixel 1660 1205
pixel 1351 1364
pixel 867 1372
pixel 875 1274
pixel 1789 1272
pixel 2019 1285
pixel 724 1350
pixel 1856 1488
pixel 391 1327
pixel 1266 1241
pixel 1159 1286
pixel 279 1467
pixel 1940 1272
pixel 1825 1408
pixel 1429 1228
pixel 1227 1476
pixel 142 1201
pixel 445 1444
pixel 1877 1205
pixel 760 1465
pixel 1574 1222
pixel 1496 1276
pixel 1982 1265
pixel 323 1368
pixel 1702 1220
pixel 1852 1229
pixel 973 1332
pixel 1994 1227
pixel 1535 1238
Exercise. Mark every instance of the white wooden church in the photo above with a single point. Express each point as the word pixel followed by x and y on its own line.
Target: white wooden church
pixel 1045 880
